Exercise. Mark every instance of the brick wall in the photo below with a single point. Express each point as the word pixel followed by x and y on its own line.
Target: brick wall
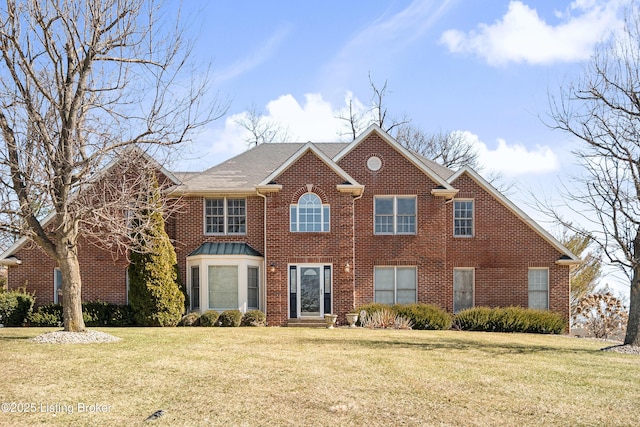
pixel 285 247
pixel 424 250
pixel 502 250
pixel 103 274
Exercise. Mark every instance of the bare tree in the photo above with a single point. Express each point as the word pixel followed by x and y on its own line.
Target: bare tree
pixel 449 149
pixel 261 128
pixel 602 111
pixel 82 81
pixel 376 114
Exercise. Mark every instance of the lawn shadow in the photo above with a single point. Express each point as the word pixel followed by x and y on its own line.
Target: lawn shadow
pixel 462 343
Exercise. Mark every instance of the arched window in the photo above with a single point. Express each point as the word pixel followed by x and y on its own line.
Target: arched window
pixel 310 214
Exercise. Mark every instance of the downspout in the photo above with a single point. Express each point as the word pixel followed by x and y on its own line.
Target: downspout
pixel 264 245
pixel 353 247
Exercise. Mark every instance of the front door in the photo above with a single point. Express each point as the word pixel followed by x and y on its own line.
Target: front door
pixel 309 290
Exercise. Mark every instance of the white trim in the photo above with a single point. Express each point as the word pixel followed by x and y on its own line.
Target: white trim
pixel 529 284
pixel 299 266
pixel 225 216
pixel 395 214
pixel 395 281
pixel 473 286
pixel 239 261
pixel 571 259
pixel 399 148
pixel 309 147
pixel 55 284
pixel 473 218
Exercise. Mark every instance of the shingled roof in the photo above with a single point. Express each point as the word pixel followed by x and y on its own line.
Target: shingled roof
pixel 242 173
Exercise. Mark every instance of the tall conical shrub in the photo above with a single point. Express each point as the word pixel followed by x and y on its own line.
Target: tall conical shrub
pixel 154 292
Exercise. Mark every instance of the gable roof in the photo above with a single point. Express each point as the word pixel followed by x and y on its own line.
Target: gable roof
pixel 427 167
pixel 567 256
pixel 349 182
pixel 244 172
pixel 128 152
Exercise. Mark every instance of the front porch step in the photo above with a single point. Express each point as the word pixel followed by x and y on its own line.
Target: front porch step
pixel 306 323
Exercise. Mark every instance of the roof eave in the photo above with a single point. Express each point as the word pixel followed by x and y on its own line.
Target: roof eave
pixel 444 192
pixel 355 190
pixel 268 188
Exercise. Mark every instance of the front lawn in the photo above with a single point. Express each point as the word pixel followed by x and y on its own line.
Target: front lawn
pixel 315 377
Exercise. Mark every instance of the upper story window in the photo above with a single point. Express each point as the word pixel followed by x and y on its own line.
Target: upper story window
pixel 310 214
pixel 225 216
pixel 463 218
pixel 395 215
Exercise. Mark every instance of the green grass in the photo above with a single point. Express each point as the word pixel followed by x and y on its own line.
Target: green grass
pixel 290 376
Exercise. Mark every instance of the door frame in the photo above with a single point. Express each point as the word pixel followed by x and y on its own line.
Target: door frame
pixel 323 288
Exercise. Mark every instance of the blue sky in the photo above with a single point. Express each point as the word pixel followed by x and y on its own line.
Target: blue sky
pixel 485 68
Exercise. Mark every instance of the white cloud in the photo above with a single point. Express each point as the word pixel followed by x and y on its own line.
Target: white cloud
pixel 521 35
pixel 513 160
pixel 313 120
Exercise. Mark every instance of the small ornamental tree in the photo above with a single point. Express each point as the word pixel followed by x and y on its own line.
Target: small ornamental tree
pixel 601 314
pixel 154 290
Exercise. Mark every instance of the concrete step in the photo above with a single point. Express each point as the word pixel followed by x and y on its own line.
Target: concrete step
pixel 306 323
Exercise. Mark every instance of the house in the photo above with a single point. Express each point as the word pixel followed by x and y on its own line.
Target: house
pixel 299 230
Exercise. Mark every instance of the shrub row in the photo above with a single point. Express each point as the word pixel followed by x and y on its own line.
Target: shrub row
pixel 509 319
pixel 229 318
pixel 422 316
pixel 94 313
pixel 15 307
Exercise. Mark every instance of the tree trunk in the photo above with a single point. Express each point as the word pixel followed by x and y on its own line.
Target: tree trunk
pixel 633 331
pixel 71 288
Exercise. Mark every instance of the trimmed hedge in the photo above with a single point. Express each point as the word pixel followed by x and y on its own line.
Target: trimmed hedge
pixel 254 318
pixel 15 307
pixel 425 316
pixel 190 319
pixel 209 318
pixel 94 313
pixel 230 318
pixel 422 316
pixel 510 319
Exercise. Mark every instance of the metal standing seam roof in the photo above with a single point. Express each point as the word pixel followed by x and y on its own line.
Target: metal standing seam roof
pixel 225 248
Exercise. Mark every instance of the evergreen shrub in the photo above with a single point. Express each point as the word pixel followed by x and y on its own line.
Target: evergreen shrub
pixel 425 316
pixel 509 319
pixel 254 318
pixel 190 319
pixel 209 318
pixel 15 307
pixel 230 318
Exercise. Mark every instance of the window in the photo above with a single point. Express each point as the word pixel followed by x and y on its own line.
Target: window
pixel 223 287
pixel 395 215
pixel 462 288
pixel 394 285
pixel 539 288
pixel 463 218
pixel 57 286
pixel 253 281
pixel 225 216
pixel 195 288
pixel 309 214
